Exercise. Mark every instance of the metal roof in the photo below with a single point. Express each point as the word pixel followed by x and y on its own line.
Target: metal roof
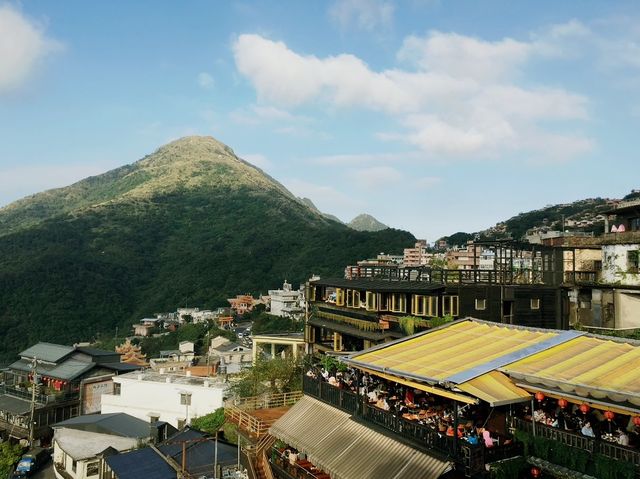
pixel 115 424
pixel 14 405
pixel 47 352
pixel 67 370
pixel 347 449
pixel 140 463
pixel 380 285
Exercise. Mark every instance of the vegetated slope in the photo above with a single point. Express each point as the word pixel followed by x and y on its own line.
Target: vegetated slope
pixel 202 225
pixel 365 222
pixel 581 215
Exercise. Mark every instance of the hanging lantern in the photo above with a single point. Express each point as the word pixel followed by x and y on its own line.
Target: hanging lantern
pixel 636 420
pixel 563 403
pixel 539 396
pixel 609 415
pixel 535 471
pixel 584 408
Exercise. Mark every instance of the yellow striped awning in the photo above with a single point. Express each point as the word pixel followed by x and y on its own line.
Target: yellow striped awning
pixel 495 388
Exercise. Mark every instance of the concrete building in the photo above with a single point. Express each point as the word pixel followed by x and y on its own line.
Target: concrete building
pixel 286 302
pixel 229 357
pixel 165 397
pixel 416 256
pixel 79 443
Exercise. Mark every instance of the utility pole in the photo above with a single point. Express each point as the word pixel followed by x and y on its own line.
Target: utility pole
pixel 34 379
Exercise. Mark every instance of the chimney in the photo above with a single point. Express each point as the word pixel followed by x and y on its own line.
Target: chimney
pixel 188 374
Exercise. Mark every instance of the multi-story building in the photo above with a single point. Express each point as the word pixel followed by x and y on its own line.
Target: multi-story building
pixel 434 392
pixel 69 381
pixel 416 256
pixel 352 314
pixel 372 268
pixel 172 398
pixel 243 303
pixel 286 302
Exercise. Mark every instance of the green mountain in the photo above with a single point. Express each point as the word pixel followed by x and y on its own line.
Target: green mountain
pixel 365 222
pixel 191 223
pixel 313 207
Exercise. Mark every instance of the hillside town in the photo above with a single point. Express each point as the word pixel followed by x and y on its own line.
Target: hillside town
pixel 502 358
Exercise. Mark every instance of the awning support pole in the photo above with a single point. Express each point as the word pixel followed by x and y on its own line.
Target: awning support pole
pixel 533 419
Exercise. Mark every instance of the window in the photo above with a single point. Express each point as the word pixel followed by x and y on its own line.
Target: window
pixel 398 303
pixel 74 465
pixel 185 399
pixel 117 389
pixel 383 302
pixel 182 423
pixel 372 301
pixel 633 261
pixel 535 303
pixel 92 468
pixel 481 304
pixel 424 305
pixel 339 297
pixel 450 306
pixel 312 293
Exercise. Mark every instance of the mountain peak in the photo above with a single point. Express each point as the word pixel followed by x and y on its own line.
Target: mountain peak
pixel 190 148
pixel 365 222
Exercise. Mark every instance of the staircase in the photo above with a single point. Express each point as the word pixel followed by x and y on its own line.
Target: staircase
pixel 257 454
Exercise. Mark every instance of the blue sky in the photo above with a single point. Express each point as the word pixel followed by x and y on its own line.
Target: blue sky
pixel 435 116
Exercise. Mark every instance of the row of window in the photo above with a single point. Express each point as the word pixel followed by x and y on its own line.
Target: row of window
pixel 419 305
pixel 481 304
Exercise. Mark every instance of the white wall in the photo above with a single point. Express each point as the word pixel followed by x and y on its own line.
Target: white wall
pixel 615 268
pixel 141 397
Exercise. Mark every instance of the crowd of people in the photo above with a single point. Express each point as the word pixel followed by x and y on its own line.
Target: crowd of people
pixel 588 422
pixel 417 406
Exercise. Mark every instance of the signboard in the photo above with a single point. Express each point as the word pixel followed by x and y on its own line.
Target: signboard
pixel 92 395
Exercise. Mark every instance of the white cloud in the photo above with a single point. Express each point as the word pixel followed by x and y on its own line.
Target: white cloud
pixel 375 176
pixel 363 14
pixel 205 80
pixel 460 97
pixel 363 158
pixel 258 160
pixel 23 45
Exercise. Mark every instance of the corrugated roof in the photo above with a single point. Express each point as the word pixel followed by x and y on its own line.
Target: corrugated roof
pixel 84 444
pixel 141 463
pixel 437 355
pixel 115 424
pixel 47 352
pixel 380 285
pixel 587 367
pixel 346 449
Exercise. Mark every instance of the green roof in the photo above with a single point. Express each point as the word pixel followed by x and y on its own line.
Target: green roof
pixel 47 352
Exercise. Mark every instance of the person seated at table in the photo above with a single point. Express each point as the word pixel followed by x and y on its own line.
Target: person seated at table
pixel 623 438
pixel 488 440
pixel 587 430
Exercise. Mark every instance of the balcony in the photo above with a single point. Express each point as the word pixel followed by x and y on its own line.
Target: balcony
pixel 471 458
pixel 41 399
pixel 582 277
pixel 577 452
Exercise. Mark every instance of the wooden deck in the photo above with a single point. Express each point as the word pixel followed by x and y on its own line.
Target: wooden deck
pixel 269 416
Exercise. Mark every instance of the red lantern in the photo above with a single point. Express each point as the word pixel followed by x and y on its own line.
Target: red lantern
pixel 609 415
pixel 584 408
pixel 539 396
pixel 636 420
pixel 563 403
pixel 535 471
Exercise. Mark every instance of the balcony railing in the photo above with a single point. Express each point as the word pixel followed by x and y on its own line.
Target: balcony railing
pixel 424 437
pixel 41 399
pixel 591 445
pixel 582 277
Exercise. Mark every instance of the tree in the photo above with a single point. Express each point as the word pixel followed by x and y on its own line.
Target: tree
pixel 9 455
pixel 275 375
pixel 209 423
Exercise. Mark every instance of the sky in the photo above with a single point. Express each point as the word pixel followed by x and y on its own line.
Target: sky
pixel 434 116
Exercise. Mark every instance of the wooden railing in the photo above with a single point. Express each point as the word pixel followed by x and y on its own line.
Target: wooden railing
pixel 568 438
pixel 265 401
pixel 246 421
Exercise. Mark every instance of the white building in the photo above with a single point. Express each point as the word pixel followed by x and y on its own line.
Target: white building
pixel 165 397
pixel 287 302
pixel 79 442
pixel 232 357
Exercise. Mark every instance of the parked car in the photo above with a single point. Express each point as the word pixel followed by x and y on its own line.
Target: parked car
pixel 31 462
